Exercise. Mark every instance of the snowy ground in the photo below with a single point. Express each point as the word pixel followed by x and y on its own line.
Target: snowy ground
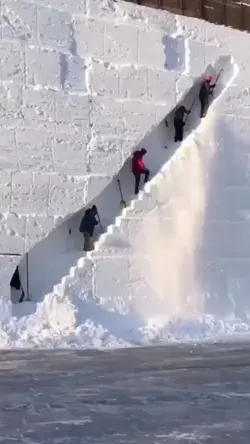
pixel 182 394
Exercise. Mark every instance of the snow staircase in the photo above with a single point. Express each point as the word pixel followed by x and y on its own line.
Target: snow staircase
pixel 101 248
pixel 145 201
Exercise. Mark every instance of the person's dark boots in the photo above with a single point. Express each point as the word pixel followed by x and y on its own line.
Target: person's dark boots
pixel 21 299
pixel 146 176
pixel 204 109
pixel 137 184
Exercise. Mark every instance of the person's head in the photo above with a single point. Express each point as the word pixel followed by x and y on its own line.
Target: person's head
pixel 143 151
pixel 182 108
pixel 94 209
pixel 208 79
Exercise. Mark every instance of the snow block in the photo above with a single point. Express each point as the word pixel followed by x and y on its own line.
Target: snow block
pixel 12 62
pixel 54 27
pixel 8 149
pixel 5 196
pixel 39 108
pixel 43 68
pixel 105 156
pixel 30 193
pixel 37 228
pixel 74 109
pixel 70 157
pixel 12 233
pixel 35 150
pixel 73 73
pixel 151 50
pixel 121 43
pixel 68 189
pixel 84 30
pixel 104 79
pixel 175 51
pixel 19 21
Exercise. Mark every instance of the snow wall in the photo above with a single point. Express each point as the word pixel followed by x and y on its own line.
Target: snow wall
pixel 82 85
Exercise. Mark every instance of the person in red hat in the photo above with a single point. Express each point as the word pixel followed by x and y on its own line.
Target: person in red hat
pixel 206 90
pixel 139 168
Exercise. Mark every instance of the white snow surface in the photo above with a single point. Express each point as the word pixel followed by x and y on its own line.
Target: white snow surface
pixel 83 84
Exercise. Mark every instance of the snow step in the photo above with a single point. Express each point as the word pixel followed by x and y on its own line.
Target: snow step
pixel 85 261
pixel 115 227
pixel 69 281
pixel 59 289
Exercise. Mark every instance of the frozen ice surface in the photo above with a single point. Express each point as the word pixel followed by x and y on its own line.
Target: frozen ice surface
pixel 175 395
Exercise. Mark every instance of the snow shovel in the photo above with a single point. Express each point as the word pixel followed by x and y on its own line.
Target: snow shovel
pixel 27 295
pixel 122 201
pixel 99 220
pixel 216 80
pixel 27 277
pixel 190 109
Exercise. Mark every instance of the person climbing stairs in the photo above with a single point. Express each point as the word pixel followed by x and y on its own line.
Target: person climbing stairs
pixel 139 168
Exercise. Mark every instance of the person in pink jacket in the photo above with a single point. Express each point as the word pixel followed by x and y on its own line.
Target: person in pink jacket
pixel 139 168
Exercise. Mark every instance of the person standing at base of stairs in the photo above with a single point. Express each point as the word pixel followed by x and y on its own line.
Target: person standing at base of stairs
pixel 87 227
pixel 15 283
pixel 179 123
pixel 139 168
pixel 206 90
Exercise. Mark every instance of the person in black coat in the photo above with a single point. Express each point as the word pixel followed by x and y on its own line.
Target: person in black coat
pixel 206 90
pixel 16 284
pixel 87 227
pixel 179 122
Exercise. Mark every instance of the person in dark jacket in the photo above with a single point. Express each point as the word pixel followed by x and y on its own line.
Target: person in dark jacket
pixel 206 90
pixel 16 284
pixel 87 227
pixel 179 122
pixel 139 168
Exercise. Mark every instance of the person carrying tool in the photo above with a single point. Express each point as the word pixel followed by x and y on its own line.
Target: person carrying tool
pixel 206 90
pixel 139 168
pixel 87 227
pixel 179 122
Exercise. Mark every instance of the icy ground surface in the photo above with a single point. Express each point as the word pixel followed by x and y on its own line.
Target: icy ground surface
pixel 155 395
